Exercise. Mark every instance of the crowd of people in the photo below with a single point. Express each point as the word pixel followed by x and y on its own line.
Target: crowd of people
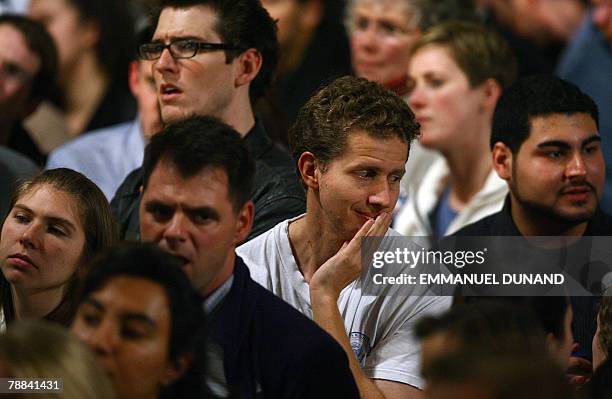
pixel 192 189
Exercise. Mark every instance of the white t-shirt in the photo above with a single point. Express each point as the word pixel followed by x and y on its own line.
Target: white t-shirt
pixel 380 327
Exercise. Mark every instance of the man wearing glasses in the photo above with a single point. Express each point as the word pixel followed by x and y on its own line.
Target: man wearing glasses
pixel 28 64
pixel 215 58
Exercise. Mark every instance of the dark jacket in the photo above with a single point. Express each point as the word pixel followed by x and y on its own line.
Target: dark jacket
pixel 277 192
pixel 268 343
pixel 501 223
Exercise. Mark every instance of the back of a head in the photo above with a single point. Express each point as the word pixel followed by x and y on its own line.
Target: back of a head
pixel 244 24
pixel 493 376
pixel 492 326
pixel 196 143
pixel 536 96
pixel 434 12
pixel 41 43
pixel 480 52
pixel 116 38
pixel 347 105
pixel 36 349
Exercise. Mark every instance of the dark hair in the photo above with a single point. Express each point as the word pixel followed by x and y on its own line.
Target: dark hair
pixel 507 376
pixel 600 386
pixel 492 326
pixel 115 46
pixel 550 311
pixel 94 210
pixel 536 96
pixel 203 141
pixel 344 106
pixel 432 13
pixel 245 24
pixel 148 261
pixel 480 52
pixel 40 43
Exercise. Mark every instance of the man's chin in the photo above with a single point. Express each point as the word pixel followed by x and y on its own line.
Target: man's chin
pixel 575 216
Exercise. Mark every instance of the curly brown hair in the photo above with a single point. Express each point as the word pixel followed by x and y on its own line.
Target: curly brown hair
pixel 604 319
pixel 344 106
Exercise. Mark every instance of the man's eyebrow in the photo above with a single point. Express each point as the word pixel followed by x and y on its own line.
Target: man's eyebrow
pixel 592 139
pixel 152 204
pixel 177 38
pixel 199 210
pixel 554 143
pixel 565 145
pixel 52 219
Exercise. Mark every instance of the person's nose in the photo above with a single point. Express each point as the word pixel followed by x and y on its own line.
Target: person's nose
pixel 417 98
pixel 176 229
pixel 166 63
pixel 367 38
pixel 103 338
pixel 30 237
pixel 576 168
pixel 382 195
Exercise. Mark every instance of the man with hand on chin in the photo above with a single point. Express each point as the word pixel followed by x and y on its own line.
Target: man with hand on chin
pixel 351 142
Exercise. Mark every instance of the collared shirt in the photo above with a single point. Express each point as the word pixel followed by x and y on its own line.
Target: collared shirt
pixel 105 156
pixel 215 369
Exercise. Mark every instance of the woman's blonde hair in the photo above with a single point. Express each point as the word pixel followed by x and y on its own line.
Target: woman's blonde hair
pixel 38 349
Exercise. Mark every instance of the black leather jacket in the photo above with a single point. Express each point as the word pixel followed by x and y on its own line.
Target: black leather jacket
pixel 277 192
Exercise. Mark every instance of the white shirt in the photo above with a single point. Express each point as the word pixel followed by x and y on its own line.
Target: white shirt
pixel 379 327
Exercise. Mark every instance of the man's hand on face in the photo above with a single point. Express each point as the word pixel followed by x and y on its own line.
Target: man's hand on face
pixel 344 267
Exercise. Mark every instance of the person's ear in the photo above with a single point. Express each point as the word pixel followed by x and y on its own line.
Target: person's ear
pixel 244 222
pixel 133 77
pixel 313 11
pixel 247 66
pixel 176 369
pixel 90 34
pixel 491 91
pixel 310 169
pixel 502 160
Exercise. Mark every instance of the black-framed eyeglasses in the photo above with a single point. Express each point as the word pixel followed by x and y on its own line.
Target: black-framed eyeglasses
pixel 182 48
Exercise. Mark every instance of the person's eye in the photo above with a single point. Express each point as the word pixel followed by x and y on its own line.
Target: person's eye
pixel 396 178
pixel 57 230
pixel 200 218
pixel 361 24
pixel 591 149
pixel 389 28
pixel 435 82
pixel 21 218
pixel 153 48
pixel 132 333
pixel 557 154
pixel 185 46
pixel 160 213
pixel 90 319
pixel 366 173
